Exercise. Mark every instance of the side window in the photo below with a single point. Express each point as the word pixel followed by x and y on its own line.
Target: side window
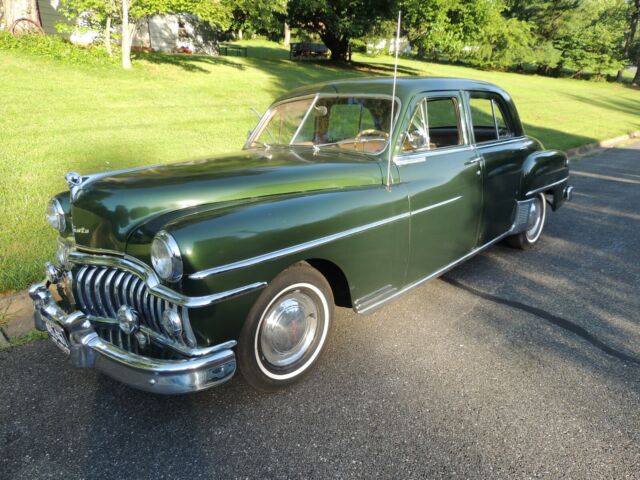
pixel 503 129
pixel 435 124
pixel 443 122
pixel 489 120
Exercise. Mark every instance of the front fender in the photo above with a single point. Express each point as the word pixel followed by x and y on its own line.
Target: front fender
pixel 363 231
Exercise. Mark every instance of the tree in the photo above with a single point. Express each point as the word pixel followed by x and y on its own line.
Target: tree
pixel 95 15
pixel 546 18
pixel 632 18
pixel 15 9
pixel 339 21
pixel 591 36
pixel 447 27
pixel 259 16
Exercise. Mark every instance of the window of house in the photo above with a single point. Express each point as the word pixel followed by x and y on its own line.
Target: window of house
pixel 435 124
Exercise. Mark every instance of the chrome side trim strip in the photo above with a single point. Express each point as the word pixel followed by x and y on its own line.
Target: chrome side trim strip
pixel 149 277
pixel 310 244
pixel 294 249
pixel 434 274
pixel 541 189
pixel 435 205
pixel 417 157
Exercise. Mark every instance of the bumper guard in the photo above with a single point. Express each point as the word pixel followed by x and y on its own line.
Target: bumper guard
pixel 87 350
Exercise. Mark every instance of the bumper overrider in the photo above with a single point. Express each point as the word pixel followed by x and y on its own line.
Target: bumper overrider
pixel 74 334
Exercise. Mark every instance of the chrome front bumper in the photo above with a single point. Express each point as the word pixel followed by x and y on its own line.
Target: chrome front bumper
pixel 88 350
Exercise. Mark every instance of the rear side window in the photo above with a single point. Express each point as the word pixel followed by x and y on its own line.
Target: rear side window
pixel 489 120
pixel 435 124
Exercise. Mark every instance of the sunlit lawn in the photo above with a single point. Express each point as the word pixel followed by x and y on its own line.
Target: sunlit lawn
pixel 55 118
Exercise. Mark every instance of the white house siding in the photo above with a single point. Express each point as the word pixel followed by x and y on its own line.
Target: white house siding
pixel 165 33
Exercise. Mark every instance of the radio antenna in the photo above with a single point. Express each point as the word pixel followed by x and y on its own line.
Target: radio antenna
pixel 393 100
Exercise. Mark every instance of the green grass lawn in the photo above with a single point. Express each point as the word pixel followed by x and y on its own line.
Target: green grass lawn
pixel 56 117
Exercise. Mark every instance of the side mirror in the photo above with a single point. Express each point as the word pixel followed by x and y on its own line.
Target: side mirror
pixel 321 111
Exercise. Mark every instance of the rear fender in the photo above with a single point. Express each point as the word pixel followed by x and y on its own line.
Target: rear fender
pixel 547 172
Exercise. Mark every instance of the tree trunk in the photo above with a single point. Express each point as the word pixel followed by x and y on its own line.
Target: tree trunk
pixel 287 34
pixel 629 37
pixel 128 30
pixel 107 36
pixel 636 78
pixel 339 46
pixel 16 9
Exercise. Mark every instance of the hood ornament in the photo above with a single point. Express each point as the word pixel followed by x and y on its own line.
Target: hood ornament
pixel 74 180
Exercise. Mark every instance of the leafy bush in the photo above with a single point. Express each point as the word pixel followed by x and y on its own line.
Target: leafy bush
pixel 56 48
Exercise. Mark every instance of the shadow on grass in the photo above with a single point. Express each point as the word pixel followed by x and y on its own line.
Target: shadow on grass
pixel 275 60
pixel 556 139
pixel 614 103
pixel 189 63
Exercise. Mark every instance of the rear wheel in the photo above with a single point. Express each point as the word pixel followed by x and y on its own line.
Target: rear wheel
pixel 286 329
pixel 537 218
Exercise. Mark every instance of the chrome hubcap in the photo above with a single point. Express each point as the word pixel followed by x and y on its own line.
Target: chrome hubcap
pixel 288 329
pixel 535 220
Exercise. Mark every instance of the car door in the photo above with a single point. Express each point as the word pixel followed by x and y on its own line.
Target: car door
pixel 443 175
pixel 503 153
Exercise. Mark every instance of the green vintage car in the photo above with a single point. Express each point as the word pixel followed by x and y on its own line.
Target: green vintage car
pixel 168 276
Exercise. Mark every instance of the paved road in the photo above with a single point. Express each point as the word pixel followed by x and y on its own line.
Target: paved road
pixel 516 364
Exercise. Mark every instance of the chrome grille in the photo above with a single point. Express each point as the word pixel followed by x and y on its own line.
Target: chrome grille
pixel 101 291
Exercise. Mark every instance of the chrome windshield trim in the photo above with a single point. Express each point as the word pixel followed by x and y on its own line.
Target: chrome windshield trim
pixel 315 96
pixel 294 248
pixel 541 189
pixel 149 277
pixel 435 205
pixel 304 119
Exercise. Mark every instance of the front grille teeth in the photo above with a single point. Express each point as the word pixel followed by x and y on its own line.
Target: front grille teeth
pixel 101 291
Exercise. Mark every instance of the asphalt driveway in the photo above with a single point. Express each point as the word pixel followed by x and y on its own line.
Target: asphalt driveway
pixel 514 365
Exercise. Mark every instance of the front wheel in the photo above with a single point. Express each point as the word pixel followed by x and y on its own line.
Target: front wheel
pixel 537 218
pixel 286 329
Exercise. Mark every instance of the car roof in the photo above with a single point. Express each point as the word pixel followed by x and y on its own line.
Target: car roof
pixel 406 86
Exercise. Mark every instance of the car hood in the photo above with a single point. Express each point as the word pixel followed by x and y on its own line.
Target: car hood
pixel 108 207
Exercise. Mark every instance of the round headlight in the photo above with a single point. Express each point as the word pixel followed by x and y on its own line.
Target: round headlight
pixel 55 215
pixel 166 258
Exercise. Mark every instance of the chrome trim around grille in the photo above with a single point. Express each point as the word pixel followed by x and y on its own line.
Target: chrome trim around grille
pixel 146 275
pixel 201 369
pixel 102 299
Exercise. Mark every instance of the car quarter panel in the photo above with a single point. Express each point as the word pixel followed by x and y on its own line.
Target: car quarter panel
pixel 543 169
pixel 363 231
pixel 503 162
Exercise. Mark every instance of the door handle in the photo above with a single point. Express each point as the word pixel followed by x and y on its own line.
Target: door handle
pixel 473 161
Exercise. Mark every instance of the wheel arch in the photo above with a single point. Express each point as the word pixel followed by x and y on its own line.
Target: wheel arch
pixel 336 278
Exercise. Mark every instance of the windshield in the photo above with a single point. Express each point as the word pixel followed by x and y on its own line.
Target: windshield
pixel 353 123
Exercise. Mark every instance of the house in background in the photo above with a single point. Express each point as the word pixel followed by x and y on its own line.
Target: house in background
pixel 163 33
pixel 50 15
pixel 169 33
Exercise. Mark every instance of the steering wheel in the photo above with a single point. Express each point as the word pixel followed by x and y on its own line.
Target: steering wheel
pixel 372 132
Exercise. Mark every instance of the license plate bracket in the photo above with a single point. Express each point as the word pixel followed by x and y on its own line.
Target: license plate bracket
pixel 57 336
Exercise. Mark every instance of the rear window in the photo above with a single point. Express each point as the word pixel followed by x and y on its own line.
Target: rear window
pixel 489 120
